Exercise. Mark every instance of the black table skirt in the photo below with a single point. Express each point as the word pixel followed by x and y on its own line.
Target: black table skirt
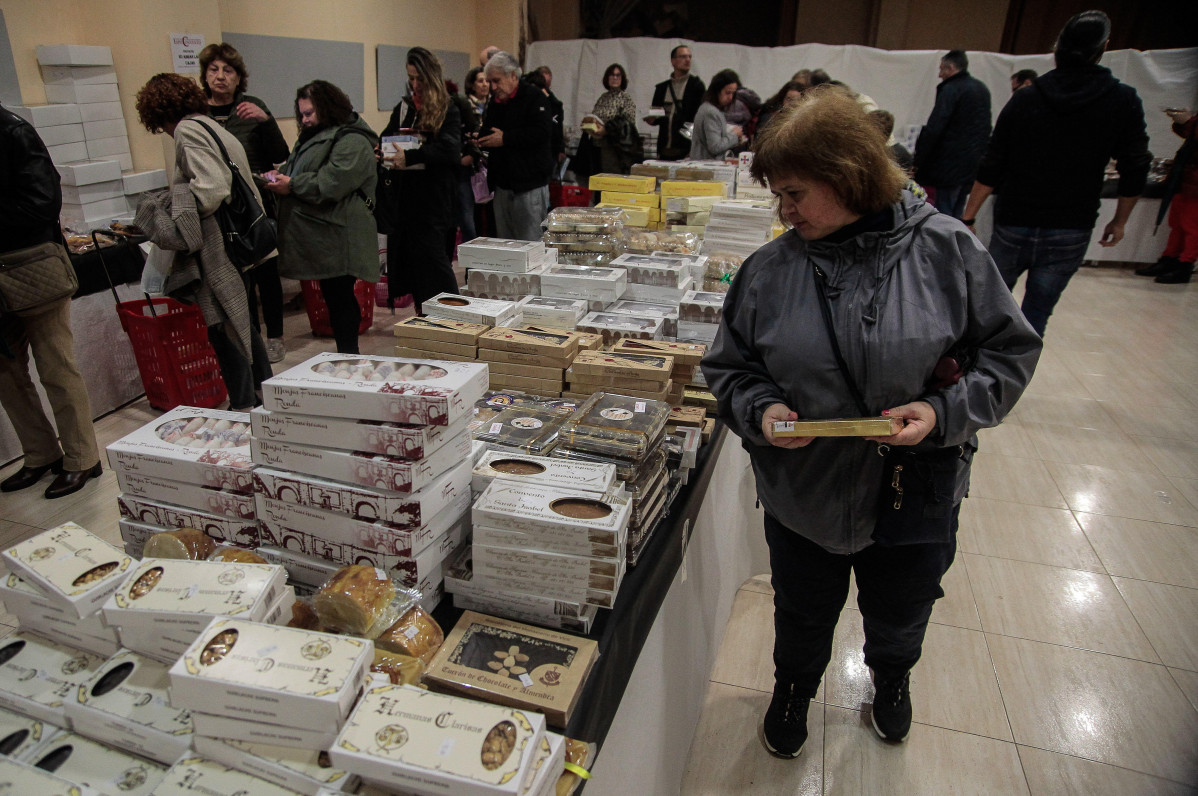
pixel 621 631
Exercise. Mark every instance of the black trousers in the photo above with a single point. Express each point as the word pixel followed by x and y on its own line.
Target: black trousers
pixel 896 587
pixel 265 277
pixel 243 378
pixel 344 313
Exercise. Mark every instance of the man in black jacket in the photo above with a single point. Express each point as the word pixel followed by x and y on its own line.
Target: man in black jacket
pixel 517 131
pixel 680 97
pixel 30 202
pixel 952 142
pixel 1047 159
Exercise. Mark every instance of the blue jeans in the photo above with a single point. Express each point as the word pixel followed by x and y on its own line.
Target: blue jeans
pixel 950 199
pixel 1050 256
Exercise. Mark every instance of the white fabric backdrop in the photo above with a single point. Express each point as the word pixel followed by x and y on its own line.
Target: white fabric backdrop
pixel 902 82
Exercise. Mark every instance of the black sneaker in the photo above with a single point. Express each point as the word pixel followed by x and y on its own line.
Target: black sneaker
pixel 892 707
pixel 784 728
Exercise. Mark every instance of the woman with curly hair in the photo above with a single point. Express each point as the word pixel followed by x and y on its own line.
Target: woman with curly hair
pixel 614 121
pixel 424 179
pixel 326 217
pixel 225 80
pixel 181 219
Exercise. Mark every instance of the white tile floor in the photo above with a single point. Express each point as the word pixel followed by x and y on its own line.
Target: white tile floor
pixel 1064 658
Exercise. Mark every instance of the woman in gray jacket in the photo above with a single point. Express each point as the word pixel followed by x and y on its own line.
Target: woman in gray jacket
pixel 712 135
pixel 850 313
pixel 326 205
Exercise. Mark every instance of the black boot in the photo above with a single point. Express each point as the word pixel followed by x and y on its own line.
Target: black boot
pixel 1178 275
pixel 1159 267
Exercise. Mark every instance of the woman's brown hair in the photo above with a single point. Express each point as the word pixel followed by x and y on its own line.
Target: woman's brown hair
pixel 227 53
pixel 166 98
pixel 434 97
pixel 830 138
pixel 332 107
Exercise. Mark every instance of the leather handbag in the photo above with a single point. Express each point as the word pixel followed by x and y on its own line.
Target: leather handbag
pixel 34 276
pixel 915 503
pixel 250 234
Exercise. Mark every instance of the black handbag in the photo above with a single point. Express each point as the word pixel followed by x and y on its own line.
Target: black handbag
pixel 915 503
pixel 250 234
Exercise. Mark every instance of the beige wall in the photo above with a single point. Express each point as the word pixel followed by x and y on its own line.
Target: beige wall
pixel 137 31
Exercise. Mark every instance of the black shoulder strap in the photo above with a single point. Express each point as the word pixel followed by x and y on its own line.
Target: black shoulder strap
pixel 342 132
pixel 825 307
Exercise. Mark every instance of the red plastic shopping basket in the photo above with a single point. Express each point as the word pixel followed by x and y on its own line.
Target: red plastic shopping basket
pixel 175 359
pixel 566 195
pixel 318 311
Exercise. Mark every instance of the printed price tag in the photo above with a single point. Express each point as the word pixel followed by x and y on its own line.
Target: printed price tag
pixel 526 681
pixel 639 406
pixel 411 633
pixel 496 428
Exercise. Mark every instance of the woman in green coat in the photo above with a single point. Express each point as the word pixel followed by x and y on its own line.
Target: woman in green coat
pixel 326 228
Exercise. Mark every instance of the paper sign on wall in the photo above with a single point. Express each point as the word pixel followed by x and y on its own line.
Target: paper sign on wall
pixel 185 52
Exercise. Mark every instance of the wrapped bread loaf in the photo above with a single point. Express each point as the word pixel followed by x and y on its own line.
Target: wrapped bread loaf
pixel 577 754
pixel 180 543
pixel 356 600
pixel 416 634
pixel 400 669
pixel 237 556
pixel 303 616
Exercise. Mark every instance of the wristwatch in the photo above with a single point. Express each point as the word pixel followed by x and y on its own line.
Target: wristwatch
pixel 968 221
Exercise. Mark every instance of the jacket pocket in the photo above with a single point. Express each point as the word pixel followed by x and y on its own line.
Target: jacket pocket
pixel 916 502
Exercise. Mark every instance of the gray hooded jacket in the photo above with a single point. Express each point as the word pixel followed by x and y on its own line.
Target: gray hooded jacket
pixel 900 300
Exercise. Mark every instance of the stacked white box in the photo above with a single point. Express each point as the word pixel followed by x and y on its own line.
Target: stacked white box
pixel 699 315
pixel 73 55
pixel 89 763
pixel 23 734
pixel 302 770
pixel 89 173
pixel 501 254
pixel 44 116
pixel 599 285
pixel 739 226
pixel 554 313
pixel 38 676
pixel 666 310
pixel 75 569
pixel 37 613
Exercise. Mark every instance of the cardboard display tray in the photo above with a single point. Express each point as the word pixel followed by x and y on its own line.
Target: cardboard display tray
pixel 389 389
pixel 170 448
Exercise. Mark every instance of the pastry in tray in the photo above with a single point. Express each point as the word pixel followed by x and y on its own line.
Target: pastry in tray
pixel 618 424
pixel 527 428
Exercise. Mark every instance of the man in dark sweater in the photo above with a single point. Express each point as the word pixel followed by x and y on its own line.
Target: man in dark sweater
pixel 517 132
pixel 954 138
pixel 680 96
pixel 1046 160
pixel 30 202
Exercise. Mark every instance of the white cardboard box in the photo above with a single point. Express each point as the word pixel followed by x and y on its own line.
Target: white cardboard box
pixel 367 469
pixel 101 111
pixel 298 769
pixel 107 147
pixel 87 172
pixel 66 153
pixel 23 734
pixel 573 573
pixel 295 527
pixel 86 762
pixel 73 55
pixel 77 75
pixel 533 508
pixel 389 439
pixel 24 778
pixel 555 313
pixel 568 544
pixel 410 510
pixel 38 675
pixel 107 129
pixel 61 134
pixel 317 686
pixel 585 476
pixel 34 611
pixel 193 774
pixel 149 450
pixel 126 703
pixel 134 534
pixel 500 254
pixel 615 326
pixel 81 95
pixel 511 605
pixel 416 391
pixel 95 192
pixel 490 312
pixel 293 736
pixel 236 505
pixel 400 735
pixel 236 531
pixel 73 567
pixel 142 181
pixel 347 541
pixel 601 283
pixel 48 115
pixel 90 211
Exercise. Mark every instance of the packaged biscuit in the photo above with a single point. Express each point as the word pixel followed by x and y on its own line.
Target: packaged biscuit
pixel 86 762
pixel 194 774
pixel 37 612
pixel 548 311
pixel 550 344
pixel 415 633
pixel 514 664
pixel 499 254
pixel 127 703
pixel 38 676
pixel 616 424
pixel 357 600
pixel 522 428
pixel 364 468
pixel 389 439
pixel 235 505
pixel 585 219
pixel 389 389
pixel 554 572
pixel 306 771
pixel 188 543
pixel 204 447
pixel 273 674
pixel 75 568
pixel 560 513
pixel 592 283
pixel 649 367
pixel 240 531
pixel 407 738
pixel 444 330
pixel 488 312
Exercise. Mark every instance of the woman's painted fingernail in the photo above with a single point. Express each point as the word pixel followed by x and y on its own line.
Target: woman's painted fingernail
pixel 885 411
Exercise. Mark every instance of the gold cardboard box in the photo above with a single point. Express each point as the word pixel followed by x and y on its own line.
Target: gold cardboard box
pixel 839 427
